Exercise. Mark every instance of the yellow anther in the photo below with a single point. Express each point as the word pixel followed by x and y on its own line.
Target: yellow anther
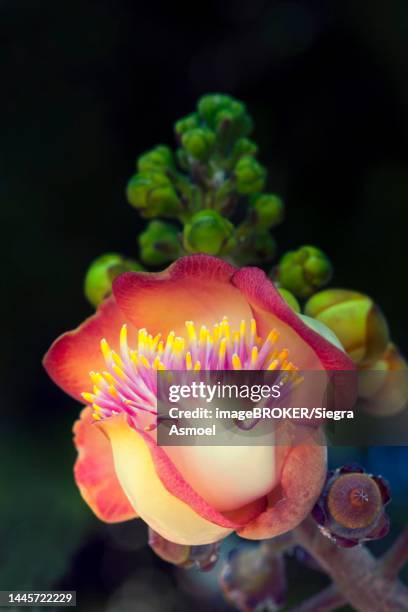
pixel 105 348
pixel 203 334
pixel 197 366
pixel 178 346
pixel 254 355
pixel 141 339
pixel 117 359
pixel 96 416
pixel 109 378
pixel 123 338
pixel 112 391
pixel 216 333
pixel 155 342
pixel 156 362
pixel 118 371
pixel 273 365
pixel 145 362
pixel 223 348
pixel 253 328
pixel 189 361
pixel 191 331
pixel 134 356
pixel 97 379
pixel 236 362
pixel 273 336
pixel 242 328
pixel 225 328
pixel 283 355
pixel 170 340
pixel 88 397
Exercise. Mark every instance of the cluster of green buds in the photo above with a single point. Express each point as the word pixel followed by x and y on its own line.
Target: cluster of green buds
pixel 304 271
pixel 207 196
pixel 212 187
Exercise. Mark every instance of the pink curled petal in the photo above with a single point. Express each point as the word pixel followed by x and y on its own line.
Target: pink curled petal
pixel 309 349
pixel 302 479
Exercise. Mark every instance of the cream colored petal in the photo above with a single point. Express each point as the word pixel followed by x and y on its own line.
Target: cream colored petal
pixel 167 515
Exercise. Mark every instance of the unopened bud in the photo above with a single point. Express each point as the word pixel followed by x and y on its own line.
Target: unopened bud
pixel 383 384
pixel 153 194
pixel 350 509
pixel 187 123
pixel 159 243
pixel 304 271
pixel 203 557
pixel 250 175
pixel 208 232
pixel 102 272
pixel 244 146
pixel 198 143
pixel 252 579
pixel 355 319
pixel 157 160
pixel 267 209
pixel 225 115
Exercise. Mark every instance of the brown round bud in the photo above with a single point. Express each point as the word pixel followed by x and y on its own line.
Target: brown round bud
pixel 354 501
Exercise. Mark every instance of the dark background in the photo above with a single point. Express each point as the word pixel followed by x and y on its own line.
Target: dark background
pixel 85 88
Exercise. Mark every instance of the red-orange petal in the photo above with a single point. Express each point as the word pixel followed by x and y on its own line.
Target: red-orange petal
pixel 95 473
pixel 74 354
pixel 195 288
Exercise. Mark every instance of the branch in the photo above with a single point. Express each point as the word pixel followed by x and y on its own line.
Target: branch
pixel 397 556
pixel 327 600
pixel 357 575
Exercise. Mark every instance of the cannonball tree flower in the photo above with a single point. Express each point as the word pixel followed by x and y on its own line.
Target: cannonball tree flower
pixel 201 312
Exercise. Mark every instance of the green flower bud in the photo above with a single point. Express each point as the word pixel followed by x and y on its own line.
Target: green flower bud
pixel 159 243
pixel 383 384
pixel 225 114
pixel 208 232
pixel 102 272
pixel 257 247
pixel 153 194
pixel 250 175
pixel 264 246
pixel 268 210
pixel 198 143
pixel 190 122
pixel 157 160
pixel 304 271
pixel 209 105
pixel 290 299
pixel 355 319
pixel 244 146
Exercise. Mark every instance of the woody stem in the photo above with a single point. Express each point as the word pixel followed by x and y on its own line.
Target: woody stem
pixel 358 576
